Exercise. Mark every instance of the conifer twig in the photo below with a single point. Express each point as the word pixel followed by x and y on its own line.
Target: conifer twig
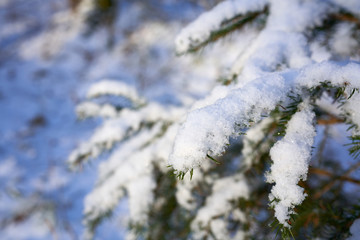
pixel 329 121
pixel 343 177
pixel 227 27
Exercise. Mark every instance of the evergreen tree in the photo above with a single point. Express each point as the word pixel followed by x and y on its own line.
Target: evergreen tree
pixel 257 158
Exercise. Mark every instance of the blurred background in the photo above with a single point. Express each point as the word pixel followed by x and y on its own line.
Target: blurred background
pixel 50 53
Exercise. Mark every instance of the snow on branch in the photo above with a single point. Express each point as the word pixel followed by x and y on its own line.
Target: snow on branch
pixel 106 195
pixel 206 131
pixel 223 18
pixel 218 205
pixel 291 157
pixel 116 129
pixel 342 74
pixel 283 42
pixel 277 65
pixel 355 230
pixel 116 88
pixel 130 171
pixel 256 136
pixel 272 51
pixel 90 109
pixel 297 15
pixel 351 109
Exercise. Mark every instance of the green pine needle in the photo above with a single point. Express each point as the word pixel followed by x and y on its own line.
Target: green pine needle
pixel 213 159
pixel 354 150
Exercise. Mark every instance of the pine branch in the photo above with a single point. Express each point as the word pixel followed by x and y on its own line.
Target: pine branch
pixel 334 178
pixel 330 120
pixel 323 172
pixel 226 27
pixel 355 146
pixel 346 17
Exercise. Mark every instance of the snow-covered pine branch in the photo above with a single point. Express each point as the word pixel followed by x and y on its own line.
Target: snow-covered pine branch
pixel 207 130
pixel 213 216
pixel 144 137
pixel 291 157
pixel 278 64
pixel 121 124
pixel 226 17
pixel 115 88
pixel 302 60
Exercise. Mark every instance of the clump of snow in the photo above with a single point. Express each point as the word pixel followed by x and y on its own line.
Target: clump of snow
pixel 271 51
pixel 138 204
pixel 90 109
pixel 130 170
pixel 326 103
pixel 184 191
pixel 207 130
pixel 216 94
pixel 9 167
pixel 253 136
pixel 207 23
pixel 291 157
pixel 351 108
pixel 116 88
pixel 185 187
pixel 116 129
pixel 218 204
pixel 296 15
pixel 355 230
pixel 338 74
pixel 282 42
pixel 319 52
pixel 342 42
pixel 125 150
pixel 106 195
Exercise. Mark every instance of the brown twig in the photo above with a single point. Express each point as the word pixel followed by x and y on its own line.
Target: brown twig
pixel 343 177
pixel 347 18
pixel 329 121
